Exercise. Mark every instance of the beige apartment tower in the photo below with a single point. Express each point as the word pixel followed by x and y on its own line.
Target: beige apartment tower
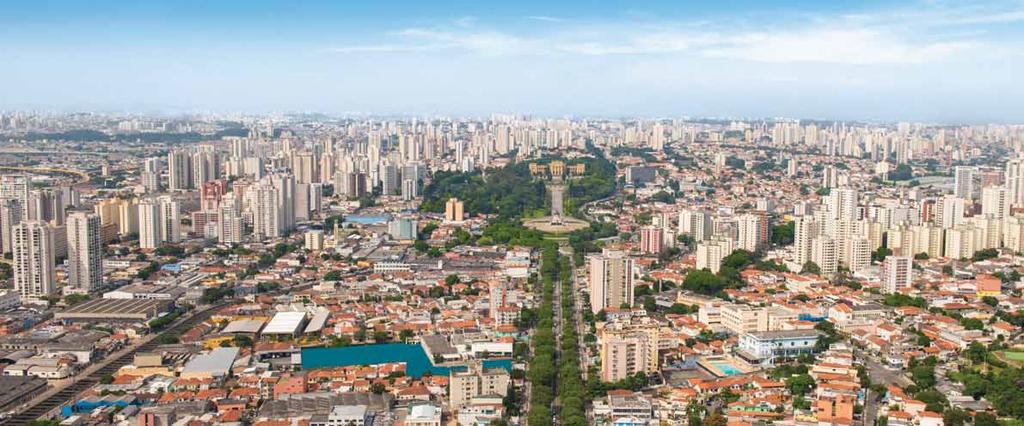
pixel 454 210
pixel 85 256
pixel 611 280
pixel 34 275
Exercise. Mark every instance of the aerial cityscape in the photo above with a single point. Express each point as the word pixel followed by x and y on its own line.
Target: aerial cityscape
pixel 641 219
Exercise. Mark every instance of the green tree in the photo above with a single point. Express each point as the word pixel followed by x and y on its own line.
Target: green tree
pixel 985 254
pixel 898 299
pixel 650 305
pixel 934 400
pixel 985 419
pixel 381 336
pixel 74 299
pixel 680 309
pixel 715 419
pixel 972 323
pixel 339 341
pixel 975 352
pixel 738 259
pixel 800 384
pixel 811 268
pixel 703 282
pixel 923 376
pixel 880 254
pixel 378 388
pixel 902 172
pixel 954 417
pixel 782 235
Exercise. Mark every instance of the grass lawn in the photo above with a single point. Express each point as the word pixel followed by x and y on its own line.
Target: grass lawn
pixel 1013 356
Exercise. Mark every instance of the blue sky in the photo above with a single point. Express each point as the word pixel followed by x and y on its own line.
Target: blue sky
pixel 931 60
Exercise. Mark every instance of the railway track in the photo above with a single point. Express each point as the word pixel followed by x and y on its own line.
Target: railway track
pixel 42 409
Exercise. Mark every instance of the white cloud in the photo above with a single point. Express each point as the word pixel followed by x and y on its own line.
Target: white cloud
pixel 378 48
pixel 839 39
pixel 545 18
pixel 480 42
pixel 465 21
pixel 856 46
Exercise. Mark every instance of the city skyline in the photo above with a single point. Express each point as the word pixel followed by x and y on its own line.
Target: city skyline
pixel 921 61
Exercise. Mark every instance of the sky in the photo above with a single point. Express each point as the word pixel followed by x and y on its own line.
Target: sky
pixel 917 60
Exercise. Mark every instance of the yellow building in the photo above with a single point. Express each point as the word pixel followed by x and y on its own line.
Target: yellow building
pixel 628 347
pixel 557 168
pixel 454 210
pixel 108 210
pixel 476 381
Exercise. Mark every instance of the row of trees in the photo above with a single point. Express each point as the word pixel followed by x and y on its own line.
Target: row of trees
pixel 571 389
pixel 542 370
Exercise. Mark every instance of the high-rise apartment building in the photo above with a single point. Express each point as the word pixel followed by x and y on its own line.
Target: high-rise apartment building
pixel 284 184
pixel 389 179
pixel 231 226
pixel 128 216
pixel 453 210
pixel 709 254
pixel 994 202
pixel 751 232
pixel 150 175
pixel 476 381
pixel 179 171
pixel 304 167
pixel 150 224
pixel 85 256
pixel 825 253
pixel 651 240
pixel 11 214
pixel 949 211
pixel 34 259
pixel 628 347
pixel 205 168
pixel 963 182
pixel 170 214
pixel 842 204
pixel 805 229
pixel 1015 182
pixel 696 224
pixel 896 273
pixel 611 280
pixel 410 189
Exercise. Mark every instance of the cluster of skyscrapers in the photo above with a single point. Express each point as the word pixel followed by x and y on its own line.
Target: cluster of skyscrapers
pixel 36 229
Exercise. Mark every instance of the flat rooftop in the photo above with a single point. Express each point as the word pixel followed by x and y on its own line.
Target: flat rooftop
pixel 285 323
pixel 114 309
pixel 785 334
pixel 215 363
